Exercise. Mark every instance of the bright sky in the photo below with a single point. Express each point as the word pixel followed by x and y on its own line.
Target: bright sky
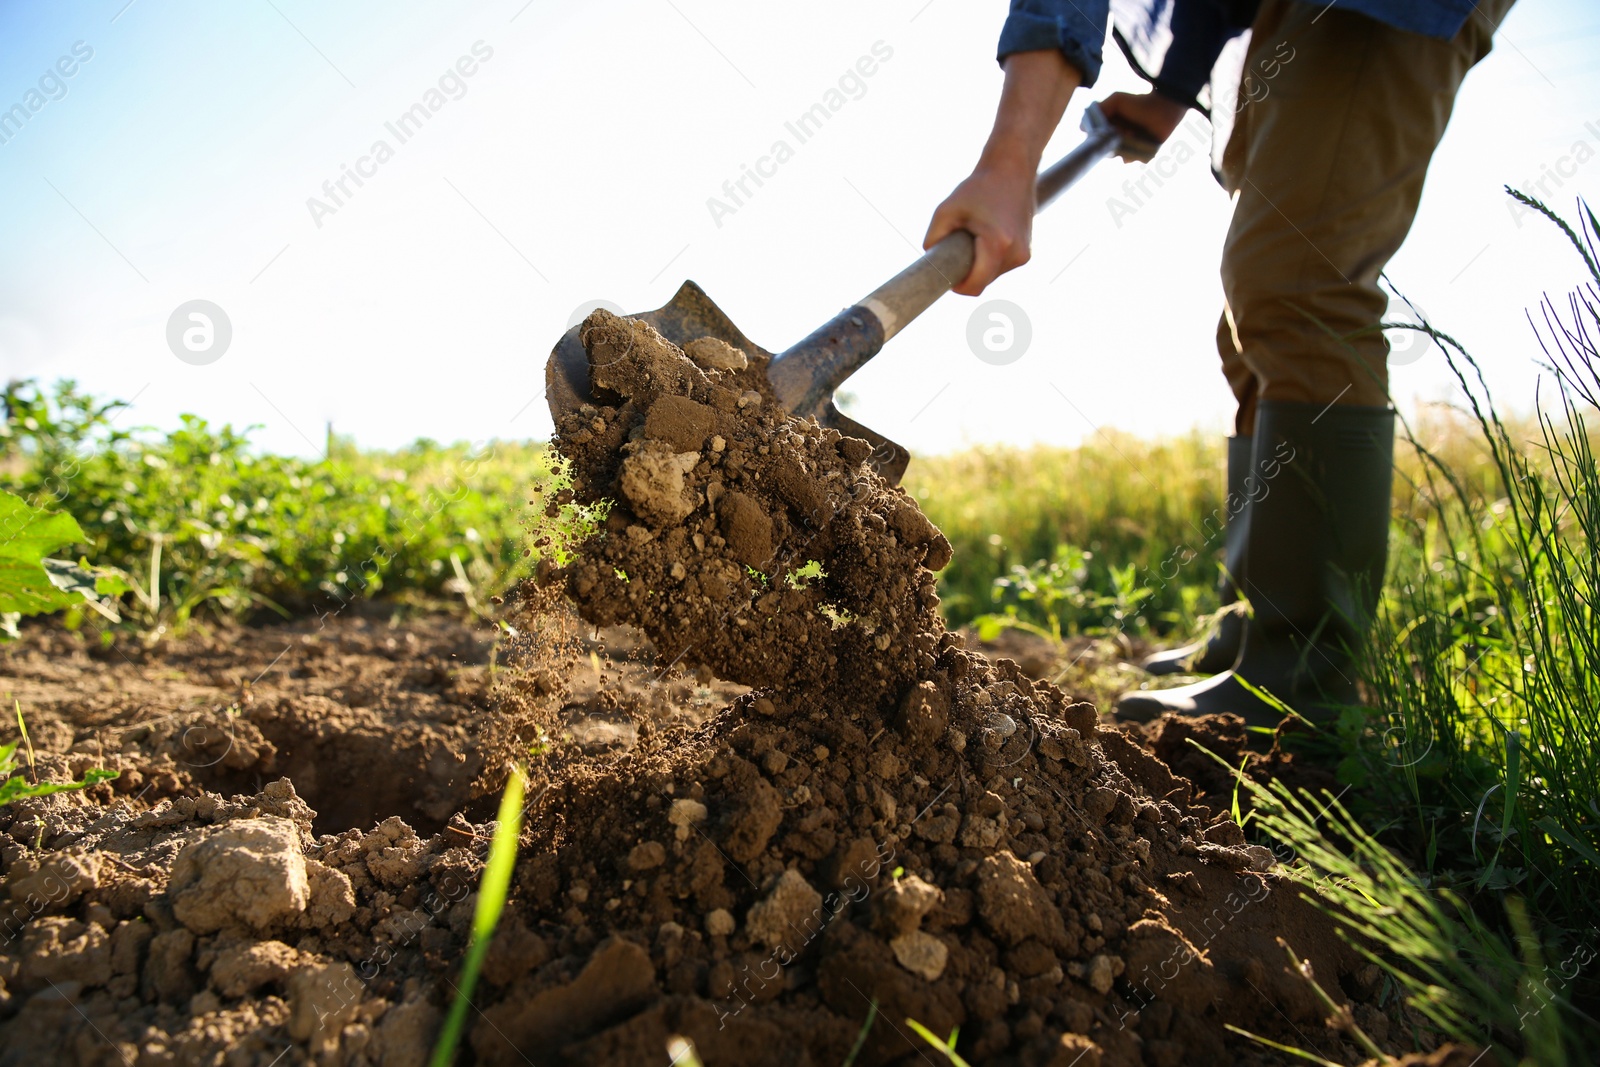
pixel 574 163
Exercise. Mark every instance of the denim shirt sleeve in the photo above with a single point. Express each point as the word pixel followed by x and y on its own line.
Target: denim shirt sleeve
pixel 1076 27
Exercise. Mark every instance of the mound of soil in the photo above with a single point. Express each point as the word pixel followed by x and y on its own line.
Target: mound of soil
pixel 864 823
pixel 886 818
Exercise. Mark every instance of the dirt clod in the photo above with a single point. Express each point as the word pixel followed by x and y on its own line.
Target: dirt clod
pixel 249 874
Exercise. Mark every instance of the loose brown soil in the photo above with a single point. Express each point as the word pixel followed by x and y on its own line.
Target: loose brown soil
pixel 865 812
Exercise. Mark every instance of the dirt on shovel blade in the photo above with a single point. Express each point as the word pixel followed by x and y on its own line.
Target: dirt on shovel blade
pixel 807 805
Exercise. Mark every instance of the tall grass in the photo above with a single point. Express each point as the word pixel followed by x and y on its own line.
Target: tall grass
pixel 1458 971
pixel 1485 663
pixel 1469 856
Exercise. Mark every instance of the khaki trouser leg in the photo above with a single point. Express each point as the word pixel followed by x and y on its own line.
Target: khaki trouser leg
pixel 1327 163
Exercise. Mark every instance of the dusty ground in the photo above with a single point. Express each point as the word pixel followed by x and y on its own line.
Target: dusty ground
pixel 284 872
pixel 376 722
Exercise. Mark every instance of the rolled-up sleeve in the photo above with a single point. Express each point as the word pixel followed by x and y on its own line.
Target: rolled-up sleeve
pixel 1077 29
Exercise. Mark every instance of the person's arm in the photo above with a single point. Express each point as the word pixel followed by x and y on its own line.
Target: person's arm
pixel 996 202
pixel 1048 49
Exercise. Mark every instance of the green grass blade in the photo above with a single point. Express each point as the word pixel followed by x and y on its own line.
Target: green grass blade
pixel 681 1052
pixel 947 1048
pixel 492 892
pixel 861 1037
pixel 1289 1050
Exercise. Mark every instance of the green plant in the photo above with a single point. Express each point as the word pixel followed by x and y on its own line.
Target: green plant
pixel 1465 977
pixel 1124 502
pixel 207 525
pixel 13 788
pixel 492 891
pixel 1048 598
pixel 32 583
pixel 946 1048
pixel 801 577
pixel 861 1035
pixel 1482 756
pixel 681 1052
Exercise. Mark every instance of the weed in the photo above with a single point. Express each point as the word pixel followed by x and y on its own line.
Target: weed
pixel 861 1035
pixel 1482 759
pixel 946 1048
pixel 801 577
pixel 18 787
pixel 492 892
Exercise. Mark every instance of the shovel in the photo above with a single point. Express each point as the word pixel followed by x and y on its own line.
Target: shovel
pixel 805 376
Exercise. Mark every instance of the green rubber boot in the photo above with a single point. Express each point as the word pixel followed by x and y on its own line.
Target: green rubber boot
pixel 1317 545
pixel 1216 652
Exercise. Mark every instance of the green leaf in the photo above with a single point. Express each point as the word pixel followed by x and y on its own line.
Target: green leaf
pixel 1549 825
pixel 989 626
pixel 27 535
pixel 98 586
pixel 17 788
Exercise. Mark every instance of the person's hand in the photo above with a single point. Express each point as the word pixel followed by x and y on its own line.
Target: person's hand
pixel 994 204
pixel 1148 113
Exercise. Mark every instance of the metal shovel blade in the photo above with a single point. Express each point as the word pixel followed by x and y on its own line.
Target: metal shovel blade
pixel 691 314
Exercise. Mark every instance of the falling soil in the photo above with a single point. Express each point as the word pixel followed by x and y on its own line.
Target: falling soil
pixel 724 509
pixel 781 818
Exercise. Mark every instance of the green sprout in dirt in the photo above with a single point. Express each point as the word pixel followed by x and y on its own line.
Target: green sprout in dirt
pixel 801 577
pixel 861 1035
pixel 18 787
pixel 541 745
pixel 682 1053
pixel 492 892
pixel 947 1048
pixel 755 575
pixel 838 617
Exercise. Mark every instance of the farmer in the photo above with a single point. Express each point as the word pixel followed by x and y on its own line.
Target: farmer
pixel 1339 109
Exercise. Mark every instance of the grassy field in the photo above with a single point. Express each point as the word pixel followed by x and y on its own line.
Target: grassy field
pixel 1472 818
